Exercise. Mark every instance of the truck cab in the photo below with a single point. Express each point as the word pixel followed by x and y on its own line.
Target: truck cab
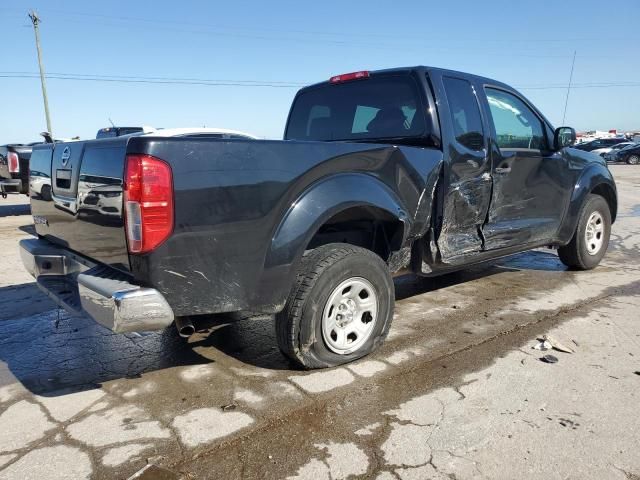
pixel 507 175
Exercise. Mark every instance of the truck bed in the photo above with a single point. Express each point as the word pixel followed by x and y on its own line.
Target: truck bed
pixel 231 197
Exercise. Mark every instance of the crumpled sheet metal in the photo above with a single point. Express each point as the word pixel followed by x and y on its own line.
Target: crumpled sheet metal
pixel 465 211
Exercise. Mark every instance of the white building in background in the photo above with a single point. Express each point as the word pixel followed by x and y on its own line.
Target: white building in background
pixel 593 134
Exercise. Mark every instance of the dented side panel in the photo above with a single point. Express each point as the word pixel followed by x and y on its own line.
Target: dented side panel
pixel 466 182
pixel 465 210
pixel 403 186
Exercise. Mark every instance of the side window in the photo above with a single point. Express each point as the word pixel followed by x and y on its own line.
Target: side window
pixel 465 113
pixel 515 123
pixel 363 116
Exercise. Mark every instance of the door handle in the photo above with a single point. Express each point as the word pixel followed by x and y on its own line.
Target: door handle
pixel 502 170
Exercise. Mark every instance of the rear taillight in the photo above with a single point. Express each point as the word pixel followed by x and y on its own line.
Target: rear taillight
pixel 14 162
pixel 148 202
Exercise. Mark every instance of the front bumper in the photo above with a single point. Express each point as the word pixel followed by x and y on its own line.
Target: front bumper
pixel 105 294
pixel 10 186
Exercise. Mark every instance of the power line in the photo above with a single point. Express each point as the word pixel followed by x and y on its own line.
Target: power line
pixel 332 42
pixel 341 34
pixel 339 41
pixel 566 102
pixel 259 83
pixel 138 77
pixel 212 83
pixel 573 84
pixel 584 85
pixel 295 82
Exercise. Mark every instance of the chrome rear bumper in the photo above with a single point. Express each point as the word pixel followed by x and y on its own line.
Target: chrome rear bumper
pixel 105 294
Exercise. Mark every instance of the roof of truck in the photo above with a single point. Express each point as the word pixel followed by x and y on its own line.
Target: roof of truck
pixel 418 69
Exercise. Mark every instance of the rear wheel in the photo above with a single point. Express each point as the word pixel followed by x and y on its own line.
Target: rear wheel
pixel 591 238
pixel 45 192
pixel 340 308
pixel 633 160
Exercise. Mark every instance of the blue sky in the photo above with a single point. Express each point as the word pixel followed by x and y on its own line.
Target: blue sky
pixel 528 45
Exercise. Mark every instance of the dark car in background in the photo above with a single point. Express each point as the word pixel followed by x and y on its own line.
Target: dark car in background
pixel 609 153
pixel 600 143
pixel 14 168
pixel 629 154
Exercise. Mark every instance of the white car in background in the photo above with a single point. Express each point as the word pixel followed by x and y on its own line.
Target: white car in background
pixel 202 132
pixel 612 149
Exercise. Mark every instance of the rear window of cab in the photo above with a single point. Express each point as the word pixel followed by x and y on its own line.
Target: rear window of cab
pixel 371 108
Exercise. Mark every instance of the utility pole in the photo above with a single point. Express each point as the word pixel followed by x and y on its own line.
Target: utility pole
pixel 36 20
pixel 566 101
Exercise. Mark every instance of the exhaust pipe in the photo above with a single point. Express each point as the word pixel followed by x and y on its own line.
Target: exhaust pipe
pixel 185 327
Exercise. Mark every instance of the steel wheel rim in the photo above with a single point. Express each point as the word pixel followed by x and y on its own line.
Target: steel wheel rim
pixel 349 315
pixel 633 159
pixel 594 233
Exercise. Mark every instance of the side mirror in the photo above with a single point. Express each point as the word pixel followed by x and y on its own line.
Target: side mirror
pixel 564 137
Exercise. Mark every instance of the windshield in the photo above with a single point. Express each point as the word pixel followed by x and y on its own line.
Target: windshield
pixel 117 131
pixel 375 108
pixel 107 133
pixel 128 130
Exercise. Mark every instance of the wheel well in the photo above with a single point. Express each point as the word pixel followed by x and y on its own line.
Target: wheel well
pixel 367 227
pixel 606 192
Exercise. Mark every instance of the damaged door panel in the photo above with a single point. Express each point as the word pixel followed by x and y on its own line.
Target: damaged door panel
pixel 465 210
pixel 467 178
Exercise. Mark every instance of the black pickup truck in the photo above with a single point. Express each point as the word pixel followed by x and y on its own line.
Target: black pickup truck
pixel 411 169
pixel 14 168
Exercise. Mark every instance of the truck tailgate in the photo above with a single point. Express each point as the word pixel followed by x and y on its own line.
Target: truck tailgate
pixel 76 198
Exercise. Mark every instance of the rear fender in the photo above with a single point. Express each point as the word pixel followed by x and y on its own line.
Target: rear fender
pixel 596 178
pixel 309 212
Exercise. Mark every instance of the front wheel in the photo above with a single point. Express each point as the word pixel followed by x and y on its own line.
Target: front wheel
pixel 340 307
pixel 591 238
pixel 633 160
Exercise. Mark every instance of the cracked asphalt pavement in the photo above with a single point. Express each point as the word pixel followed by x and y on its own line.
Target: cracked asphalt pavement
pixel 456 392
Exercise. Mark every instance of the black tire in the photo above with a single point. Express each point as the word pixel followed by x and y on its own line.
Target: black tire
pixel 576 253
pixel 633 159
pixel 45 192
pixel 322 270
